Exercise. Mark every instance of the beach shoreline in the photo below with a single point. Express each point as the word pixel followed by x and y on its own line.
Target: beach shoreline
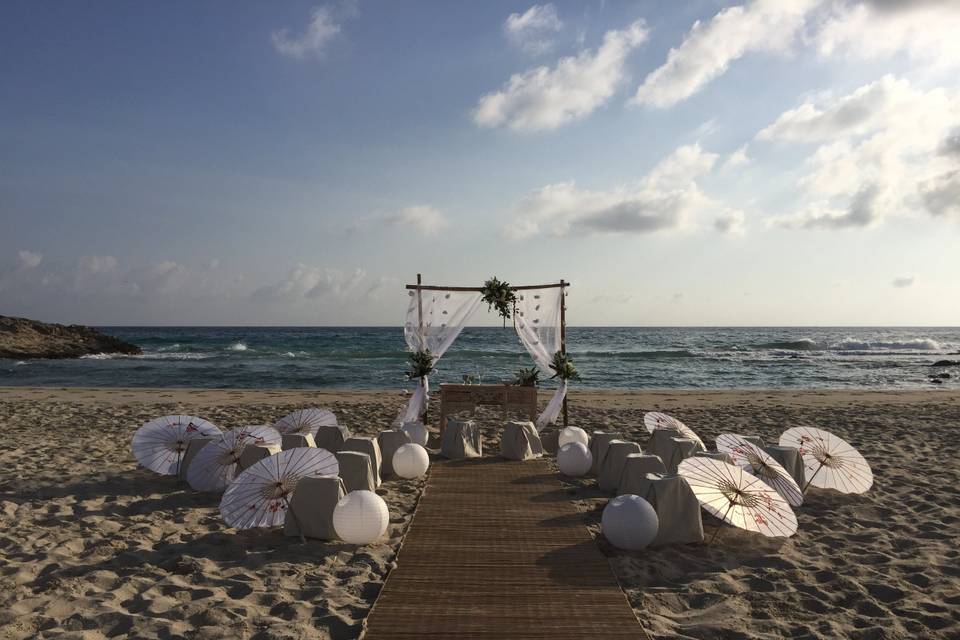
pixel 96 547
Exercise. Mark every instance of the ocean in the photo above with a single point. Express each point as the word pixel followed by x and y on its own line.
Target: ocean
pixel 607 358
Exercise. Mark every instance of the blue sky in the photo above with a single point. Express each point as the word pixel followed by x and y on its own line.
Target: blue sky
pixel 771 162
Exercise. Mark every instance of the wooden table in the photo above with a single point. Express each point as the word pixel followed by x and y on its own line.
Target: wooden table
pixel 461 397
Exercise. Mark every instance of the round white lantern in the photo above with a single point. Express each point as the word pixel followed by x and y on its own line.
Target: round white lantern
pixel 573 434
pixel 417 431
pixel 410 461
pixel 360 517
pixel 629 522
pixel 574 459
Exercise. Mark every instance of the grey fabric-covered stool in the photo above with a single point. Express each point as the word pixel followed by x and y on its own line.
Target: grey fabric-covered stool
pixel 677 507
pixel 714 455
pixel 461 439
pixel 617 452
pixel 550 440
pixel 253 453
pixel 598 448
pixel 311 508
pixel 520 441
pixel 681 449
pixel 791 460
pixel 356 471
pixel 389 441
pixel 370 447
pixel 635 470
pixel 331 437
pixel 193 448
pixel 297 440
pixel 757 440
pixel 660 443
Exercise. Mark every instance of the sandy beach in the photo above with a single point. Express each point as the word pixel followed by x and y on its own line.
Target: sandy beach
pixel 93 546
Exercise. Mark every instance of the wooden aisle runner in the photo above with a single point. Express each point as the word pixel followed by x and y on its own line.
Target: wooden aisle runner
pixel 497 550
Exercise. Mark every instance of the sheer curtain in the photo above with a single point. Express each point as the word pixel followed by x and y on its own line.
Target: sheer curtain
pixel 538 325
pixel 444 315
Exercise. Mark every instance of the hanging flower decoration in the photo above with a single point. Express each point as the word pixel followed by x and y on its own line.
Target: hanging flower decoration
pixel 527 377
pixel 421 364
pixel 499 294
pixel 563 367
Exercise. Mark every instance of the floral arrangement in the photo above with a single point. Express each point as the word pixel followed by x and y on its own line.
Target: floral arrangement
pixel 527 377
pixel 563 367
pixel 421 364
pixel 499 295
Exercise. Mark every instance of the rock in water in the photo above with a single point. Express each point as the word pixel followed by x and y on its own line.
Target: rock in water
pixel 946 363
pixel 23 338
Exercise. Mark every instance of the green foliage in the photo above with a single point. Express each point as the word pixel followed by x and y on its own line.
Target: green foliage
pixel 499 295
pixel 528 377
pixel 421 364
pixel 563 367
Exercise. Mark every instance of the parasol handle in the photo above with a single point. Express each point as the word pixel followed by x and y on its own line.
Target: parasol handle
pixel 720 528
pixel 811 478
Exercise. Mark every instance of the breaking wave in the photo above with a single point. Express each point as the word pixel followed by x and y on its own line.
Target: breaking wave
pixel 851 344
pixel 148 356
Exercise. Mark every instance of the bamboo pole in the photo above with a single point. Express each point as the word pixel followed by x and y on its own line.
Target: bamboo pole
pixel 423 341
pixel 526 287
pixel 563 335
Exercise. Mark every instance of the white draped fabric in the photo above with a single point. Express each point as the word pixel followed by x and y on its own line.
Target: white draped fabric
pixel 538 324
pixel 444 315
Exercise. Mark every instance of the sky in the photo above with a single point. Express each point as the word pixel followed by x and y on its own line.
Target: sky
pixel 773 162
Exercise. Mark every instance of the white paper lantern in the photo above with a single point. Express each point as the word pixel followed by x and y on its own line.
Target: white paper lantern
pixel 574 459
pixel 411 461
pixel 629 522
pixel 573 434
pixel 360 517
pixel 417 432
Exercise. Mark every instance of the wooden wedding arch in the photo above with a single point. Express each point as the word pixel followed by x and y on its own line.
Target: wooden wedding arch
pixel 419 287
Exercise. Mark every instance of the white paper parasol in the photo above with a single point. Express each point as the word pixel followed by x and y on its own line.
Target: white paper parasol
pixel 733 495
pixel 306 421
pixel 260 495
pixel 159 445
pixel 749 456
pixel 654 420
pixel 215 466
pixel 829 462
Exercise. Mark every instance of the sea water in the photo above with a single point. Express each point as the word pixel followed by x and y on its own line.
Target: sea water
pixel 607 358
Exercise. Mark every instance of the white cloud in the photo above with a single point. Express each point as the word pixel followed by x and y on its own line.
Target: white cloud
pixel 29 259
pixel 313 41
pixel 731 222
pixel 941 194
pixel 545 98
pixel 708 49
pixel 886 151
pixel 664 199
pixel 866 109
pixel 160 278
pixel 424 218
pixel 738 158
pixel 311 282
pixel 98 264
pixel 926 30
pixel 533 29
pixel 903 282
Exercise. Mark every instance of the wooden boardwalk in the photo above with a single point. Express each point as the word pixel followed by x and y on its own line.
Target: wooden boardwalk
pixel 497 550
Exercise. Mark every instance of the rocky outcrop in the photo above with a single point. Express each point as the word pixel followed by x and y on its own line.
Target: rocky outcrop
pixel 23 338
